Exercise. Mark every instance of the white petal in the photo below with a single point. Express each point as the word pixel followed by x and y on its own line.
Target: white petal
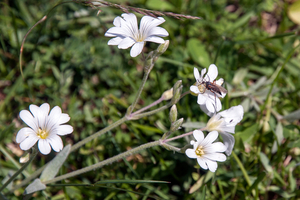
pixel 217 147
pixel 158 31
pixel 44 146
pixel 27 117
pixel 212 73
pixel 212 165
pixel 53 118
pixel 45 108
pixel 197 75
pixel 228 141
pixel 23 134
pixel 233 115
pixel 198 135
pixel 154 39
pixel 203 71
pixel 126 43
pixel 210 138
pixel 117 21
pixel 202 163
pixel 136 49
pixel 204 109
pixel 210 105
pixel 64 129
pixel 220 81
pixel 35 110
pixel 117 31
pixel 63 118
pixel 43 113
pixel 129 24
pixel 194 89
pixel 202 99
pixel 229 129
pixel 220 157
pixel 151 21
pixel 55 142
pixel 28 142
pixel 190 153
pixel 115 41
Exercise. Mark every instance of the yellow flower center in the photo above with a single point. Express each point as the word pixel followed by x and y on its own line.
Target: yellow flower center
pixel 200 151
pixel 201 88
pixel 42 134
pixel 139 37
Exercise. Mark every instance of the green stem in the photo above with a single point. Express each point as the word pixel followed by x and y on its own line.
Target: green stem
pixel 149 106
pixel 178 137
pixel 242 168
pixel 34 153
pixel 105 162
pixel 275 80
pixel 17 165
pixel 99 133
pixel 137 97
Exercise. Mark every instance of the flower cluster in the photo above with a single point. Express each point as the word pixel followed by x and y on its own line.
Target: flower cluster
pixel 209 91
pixel 45 128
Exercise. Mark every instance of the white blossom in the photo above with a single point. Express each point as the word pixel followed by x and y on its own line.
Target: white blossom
pixel 205 151
pixel 224 122
pixel 209 101
pixel 127 34
pixel 43 128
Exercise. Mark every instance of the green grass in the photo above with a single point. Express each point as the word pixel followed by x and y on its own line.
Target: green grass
pixel 67 62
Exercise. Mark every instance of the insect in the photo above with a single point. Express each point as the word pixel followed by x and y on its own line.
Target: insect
pixel 213 87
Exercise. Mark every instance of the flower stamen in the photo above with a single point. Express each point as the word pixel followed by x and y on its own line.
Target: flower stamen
pixel 42 134
pixel 199 151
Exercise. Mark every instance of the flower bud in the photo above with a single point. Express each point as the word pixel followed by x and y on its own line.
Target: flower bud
pixel 177 88
pixel 175 126
pixel 173 113
pixel 163 47
pixel 167 94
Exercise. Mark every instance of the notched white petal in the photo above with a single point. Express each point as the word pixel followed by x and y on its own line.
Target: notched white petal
pixel 115 41
pixel 28 142
pixel 44 147
pixel 155 39
pixel 136 49
pixel 198 135
pixel 126 43
pixel 64 130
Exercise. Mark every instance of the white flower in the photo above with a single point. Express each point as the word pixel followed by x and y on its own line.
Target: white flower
pixel 43 128
pixel 225 122
pixel 209 101
pixel 207 152
pixel 126 32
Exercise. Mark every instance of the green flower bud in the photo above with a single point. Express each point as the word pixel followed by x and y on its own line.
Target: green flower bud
pixel 173 113
pixel 175 126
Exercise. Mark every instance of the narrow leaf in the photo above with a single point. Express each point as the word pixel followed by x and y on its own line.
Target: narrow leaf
pixel 35 186
pixel 52 168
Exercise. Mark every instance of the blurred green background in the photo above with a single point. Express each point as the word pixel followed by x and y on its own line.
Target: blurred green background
pixel 67 62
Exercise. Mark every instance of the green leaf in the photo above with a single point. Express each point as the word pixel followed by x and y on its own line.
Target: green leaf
pixel 266 163
pixel 198 52
pixel 279 137
pixel 294 12
pixel 36 185
pixel 292 116
pixel 52 168
pixel 248 133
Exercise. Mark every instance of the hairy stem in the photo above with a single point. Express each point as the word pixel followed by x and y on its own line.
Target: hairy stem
pixel 105 162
